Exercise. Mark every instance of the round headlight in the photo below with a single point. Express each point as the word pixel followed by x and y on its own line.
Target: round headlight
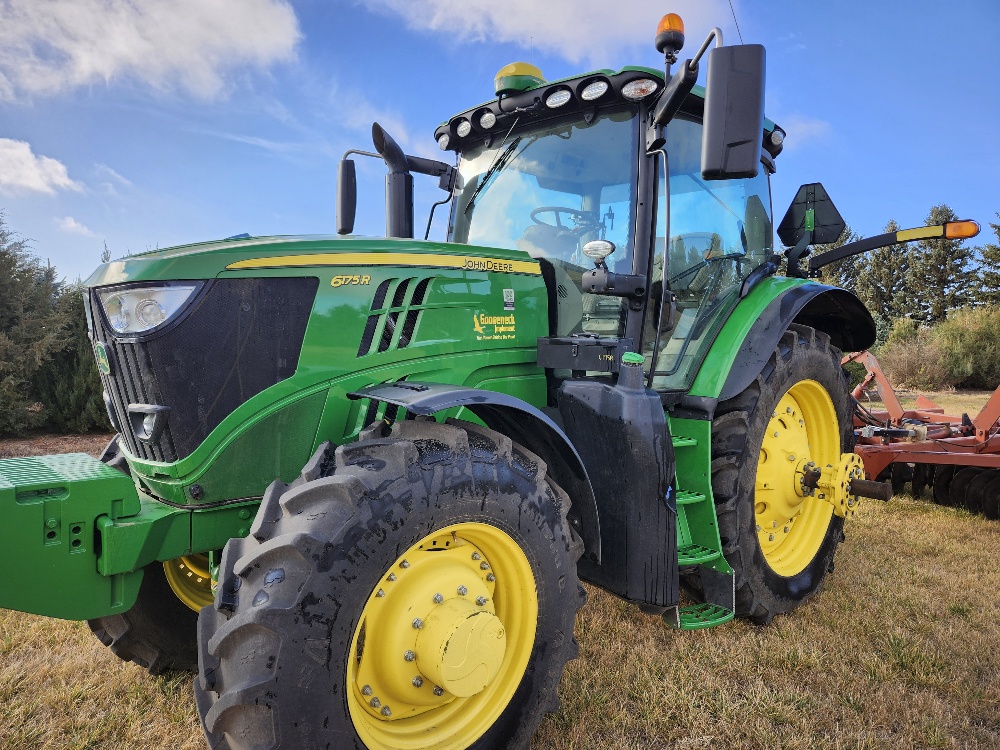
pixel 443 142
pixel 150 313
pixel 463 128
pixel 639 88
pixel 117 313
pixel 557 98
pixel 594 90
pixel 487 121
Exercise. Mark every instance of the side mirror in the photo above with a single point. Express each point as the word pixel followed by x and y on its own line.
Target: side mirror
pixel 347 196
pixel 734 112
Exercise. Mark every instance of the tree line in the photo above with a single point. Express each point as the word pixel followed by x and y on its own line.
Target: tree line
pixel 48 375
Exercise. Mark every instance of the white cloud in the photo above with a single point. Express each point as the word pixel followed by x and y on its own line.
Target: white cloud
pixel 50 46
pixel 105 171
pixel 71 226
pixel 802 130
pixel 22 171
pixel 578 30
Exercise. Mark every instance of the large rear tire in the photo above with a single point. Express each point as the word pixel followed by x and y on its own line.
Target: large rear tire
pixel 780 543
pixel 344 620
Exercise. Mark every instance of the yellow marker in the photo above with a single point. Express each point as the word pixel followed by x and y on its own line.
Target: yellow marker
pixel 427 260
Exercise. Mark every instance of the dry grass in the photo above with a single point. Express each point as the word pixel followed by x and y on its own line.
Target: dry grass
pixel 900 650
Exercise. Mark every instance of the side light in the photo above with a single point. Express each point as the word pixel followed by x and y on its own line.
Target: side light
pixel 136 310
pixel 463 128
pixel 960 230
pixel 443 142
pixel 487 121
pixel 594 90
pixel 639 88
pixel 558 98
pixel 777 137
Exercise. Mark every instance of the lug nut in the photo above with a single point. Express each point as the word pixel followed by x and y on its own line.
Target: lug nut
pixel 491 578
pixel 438 598
pixel 366 690
pixel 776 433
pixel 476 556
pixel 791 456
pixel 404 564
pixel 418 681
pixel 438 691
pixel 481 601
pixel 786 529
pixel 375 703
pixel 758 527
pixel 386 711
pixel 417 623
pixel 462 591
pixel 392 576
pixel 409 656
pixel 484 566
pixel 380 593
pixel 770 537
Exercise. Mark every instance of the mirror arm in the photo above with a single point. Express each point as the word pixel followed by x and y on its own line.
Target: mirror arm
pixel 796 254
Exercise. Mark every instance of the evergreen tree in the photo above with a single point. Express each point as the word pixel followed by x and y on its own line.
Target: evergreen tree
pixel 882 277
pixel 32 328
pixel 940 277
pixel 989 271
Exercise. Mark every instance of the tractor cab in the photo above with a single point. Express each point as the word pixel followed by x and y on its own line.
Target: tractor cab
pixel 560 171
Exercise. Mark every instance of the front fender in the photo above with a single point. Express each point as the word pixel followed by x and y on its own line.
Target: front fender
pixel 522 423
pixel 754 329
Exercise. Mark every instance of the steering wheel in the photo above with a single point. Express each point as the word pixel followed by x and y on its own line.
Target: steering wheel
pixel 583 221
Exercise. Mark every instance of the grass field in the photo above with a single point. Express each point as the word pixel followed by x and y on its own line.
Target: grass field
pixel 900 650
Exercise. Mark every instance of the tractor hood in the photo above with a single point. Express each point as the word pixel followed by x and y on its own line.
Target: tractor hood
pixel 209 260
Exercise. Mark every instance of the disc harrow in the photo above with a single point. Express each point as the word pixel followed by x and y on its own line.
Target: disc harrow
pixel 956 457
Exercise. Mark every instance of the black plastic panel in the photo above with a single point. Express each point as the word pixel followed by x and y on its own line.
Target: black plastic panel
pixel 242 336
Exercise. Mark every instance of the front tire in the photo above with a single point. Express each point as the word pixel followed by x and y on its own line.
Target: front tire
pixel 779 539
pixel 159 632
pixel 346 617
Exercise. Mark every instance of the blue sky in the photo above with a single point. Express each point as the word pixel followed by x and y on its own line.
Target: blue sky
pixel 151 123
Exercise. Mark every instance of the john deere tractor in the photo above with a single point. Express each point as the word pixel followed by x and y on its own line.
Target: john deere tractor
pixel 357 481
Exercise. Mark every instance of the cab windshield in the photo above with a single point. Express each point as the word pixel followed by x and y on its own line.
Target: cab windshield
pixel 550 190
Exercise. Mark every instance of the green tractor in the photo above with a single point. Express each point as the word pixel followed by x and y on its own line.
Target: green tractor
pixel 357 482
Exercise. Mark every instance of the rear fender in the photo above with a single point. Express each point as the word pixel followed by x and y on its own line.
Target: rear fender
pixel 758 323
pixel 522 423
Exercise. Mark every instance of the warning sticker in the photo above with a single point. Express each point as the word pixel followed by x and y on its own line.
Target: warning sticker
pixel 508 299
pixel 493 327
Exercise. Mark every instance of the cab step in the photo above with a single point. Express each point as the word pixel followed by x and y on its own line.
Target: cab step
pixel 687 497
pixel 698 616
pixel 683 442
pixel 695 554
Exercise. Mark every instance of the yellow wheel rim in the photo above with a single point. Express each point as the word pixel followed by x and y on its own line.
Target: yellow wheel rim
pixel 190 579
pixel 792 519
pixel 443 641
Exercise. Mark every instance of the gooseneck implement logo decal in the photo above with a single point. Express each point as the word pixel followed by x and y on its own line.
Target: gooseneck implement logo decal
pixel 428 260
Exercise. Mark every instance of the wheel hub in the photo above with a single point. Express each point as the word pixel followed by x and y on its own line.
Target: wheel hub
pixel 461 647
pixel 835 483
pixel 431 632
pixel 802 439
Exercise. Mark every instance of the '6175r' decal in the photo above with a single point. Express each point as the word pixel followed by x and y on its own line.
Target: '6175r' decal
pixel 350 280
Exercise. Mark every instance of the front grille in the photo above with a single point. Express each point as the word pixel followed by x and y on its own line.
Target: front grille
pixel 240 337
